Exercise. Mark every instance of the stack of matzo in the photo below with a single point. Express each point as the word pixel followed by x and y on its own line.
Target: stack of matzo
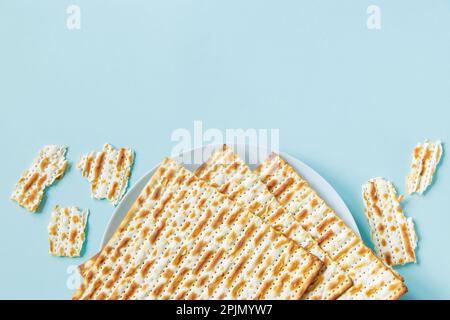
pixel 182 239
pixel 227 172
pixel 371 278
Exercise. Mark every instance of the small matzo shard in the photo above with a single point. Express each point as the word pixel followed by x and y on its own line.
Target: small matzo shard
pixel 426 158
pixel 182 239
pixel 66 231
pixel 231 176
pixel 393 235
pixel 108 172
pixel 47 167
pixel 371 278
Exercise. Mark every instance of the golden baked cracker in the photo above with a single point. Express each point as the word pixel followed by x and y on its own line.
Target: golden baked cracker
pixel 393 235
pixel 108 172
pixel 426 158
pixel 182 239
pixel 371 278
pixel 47 167
pixel 66 231
pixel 231 176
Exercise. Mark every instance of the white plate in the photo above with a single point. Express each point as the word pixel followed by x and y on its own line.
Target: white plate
pixel 324 189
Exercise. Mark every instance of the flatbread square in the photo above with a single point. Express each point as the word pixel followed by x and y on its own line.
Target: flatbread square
pixel 66 231
pixel 46 168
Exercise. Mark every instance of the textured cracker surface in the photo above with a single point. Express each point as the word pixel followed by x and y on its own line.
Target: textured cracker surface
pixel 66 231
pixel 108 171
pixel 372 279
pixel 426 158
pixel 231 176
pixel 47 167
pixel 393 235
pixel 182 239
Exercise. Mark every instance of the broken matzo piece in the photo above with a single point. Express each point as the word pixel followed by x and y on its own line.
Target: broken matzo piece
pixel 182 239
pixel 66 231
pixel 47 167
pixel 426 158
pixel 372 279
pixel 226 171
pixel 393 235
pixel 108 172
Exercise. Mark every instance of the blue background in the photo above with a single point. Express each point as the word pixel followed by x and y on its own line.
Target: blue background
pixel 349 101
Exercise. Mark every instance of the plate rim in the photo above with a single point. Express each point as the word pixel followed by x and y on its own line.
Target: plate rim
pixel 348 217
